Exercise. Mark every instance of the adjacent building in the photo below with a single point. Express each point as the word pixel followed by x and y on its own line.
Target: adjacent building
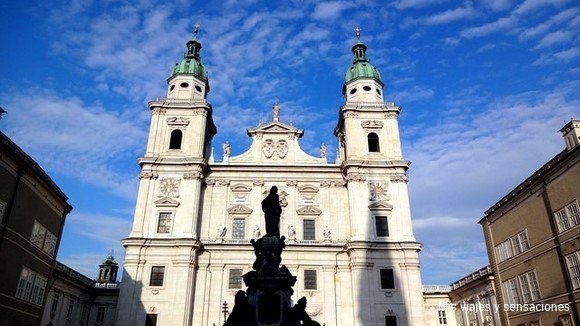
pixel 533 242
pixel 32 214
pixel 75 299
pixel 474 301
pixel 347 223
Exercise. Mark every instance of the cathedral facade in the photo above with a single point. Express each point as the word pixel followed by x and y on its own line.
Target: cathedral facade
pixel 347 223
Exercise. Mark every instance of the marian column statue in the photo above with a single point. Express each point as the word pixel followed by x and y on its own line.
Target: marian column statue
pixel 272 212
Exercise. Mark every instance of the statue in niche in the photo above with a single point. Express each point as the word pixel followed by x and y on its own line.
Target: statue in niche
pixel 272 211
pixel 327 234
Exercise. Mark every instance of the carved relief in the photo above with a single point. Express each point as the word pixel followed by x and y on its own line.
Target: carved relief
pixel 308 194
pixel 325 183
pixel 268 148
pixel 240 209
pixel 399 177
pixel 199 112
pixel 148 175
pixel 258 183
pixel 355 177
pixel 308 210
pixel 350 115
pixel 282 148
pixel 391 115
pixel 327 234
pixel 193 175
pixel 371 124
pixel 224 182
pixel 169 187
pixel 210 182
pixel 177 121
pixel 158 111
pixel 241 193
pixel 378 191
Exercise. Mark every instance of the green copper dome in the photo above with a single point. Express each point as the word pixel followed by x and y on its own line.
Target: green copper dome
pixel 361 67
pixel 191 62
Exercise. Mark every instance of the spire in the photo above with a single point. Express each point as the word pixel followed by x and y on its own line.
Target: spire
pixel 193 46
pixel 359 49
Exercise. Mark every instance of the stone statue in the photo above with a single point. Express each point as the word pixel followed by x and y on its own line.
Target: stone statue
pixel 272 212
pixel 291 232
pixel 256 232
pixel 226 149
pixel 297 315
pixel 323 150
pixel 242 313
pixel 221 231
pixel 276 112
pixel 327 234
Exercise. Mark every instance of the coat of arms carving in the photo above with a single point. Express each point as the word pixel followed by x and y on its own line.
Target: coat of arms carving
pixel 268 148
pixel 282 148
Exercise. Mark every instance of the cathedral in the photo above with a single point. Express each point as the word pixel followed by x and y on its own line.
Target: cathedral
pixel 347 223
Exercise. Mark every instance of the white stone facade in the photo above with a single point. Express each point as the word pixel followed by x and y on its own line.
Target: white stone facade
pixel 348 223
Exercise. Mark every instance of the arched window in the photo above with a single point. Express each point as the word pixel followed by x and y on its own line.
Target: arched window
pixel 175 141
pixel 373 140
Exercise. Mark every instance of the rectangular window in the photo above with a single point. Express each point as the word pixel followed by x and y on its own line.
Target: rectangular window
pixel 2 210
pixel 387 278
pixel 565 320
pixel 511 291
pixel 25 284
pixel 49 243
pixel 239 228
pixel 310 282
pixel 309 229
pixel 38 290
pixel 164 223
pixel 391 320
pixel 382 226
pixel 567 217
pixel 151 320
pixel 442 317
pixel 534 286
pixel 235 279
pixel 70 310
pixel 38 234
pixel 101 310
pixel 512 246
pixel 157 275
pixel 573 263
pixel 54 305
pixel 535 323
pixel 84 314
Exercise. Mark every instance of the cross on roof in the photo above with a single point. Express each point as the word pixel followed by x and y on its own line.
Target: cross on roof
pixel 357 31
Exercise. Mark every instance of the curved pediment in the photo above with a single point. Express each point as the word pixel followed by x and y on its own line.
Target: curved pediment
pixel 240 187
pixel 308 189
pixel 275 143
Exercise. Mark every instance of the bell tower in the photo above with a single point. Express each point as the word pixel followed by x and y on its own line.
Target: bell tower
pixel 375 172
pixel 162 247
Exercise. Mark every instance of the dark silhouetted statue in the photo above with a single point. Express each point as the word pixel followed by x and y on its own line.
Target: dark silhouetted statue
pixel 272 212
pixel 242 313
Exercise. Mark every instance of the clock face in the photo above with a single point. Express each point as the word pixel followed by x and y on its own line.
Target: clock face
pixel 379 192
pixel 169 187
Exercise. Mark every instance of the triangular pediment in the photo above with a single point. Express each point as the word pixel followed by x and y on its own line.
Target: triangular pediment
pixel 240 209
pixel 166 202
pixel 275 127
pixel 308 210
pixel 381 206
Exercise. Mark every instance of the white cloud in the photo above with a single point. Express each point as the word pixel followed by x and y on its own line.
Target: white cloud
pixel 330 10
pixel 531 5
pixel 498 5
pixel 451 15
pixel 414 4
pixel 84 142
pixel 108 230
pixel 413 94
pixel 544 27
pixel 556 37
pixel 489 28
pixel 558 57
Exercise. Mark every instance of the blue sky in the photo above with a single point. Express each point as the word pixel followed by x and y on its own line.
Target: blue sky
pixel 484 85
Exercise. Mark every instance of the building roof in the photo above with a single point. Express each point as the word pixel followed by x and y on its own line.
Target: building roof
pixel 537 176
pixel 191 62
pixel 361 67
pixel 9 147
